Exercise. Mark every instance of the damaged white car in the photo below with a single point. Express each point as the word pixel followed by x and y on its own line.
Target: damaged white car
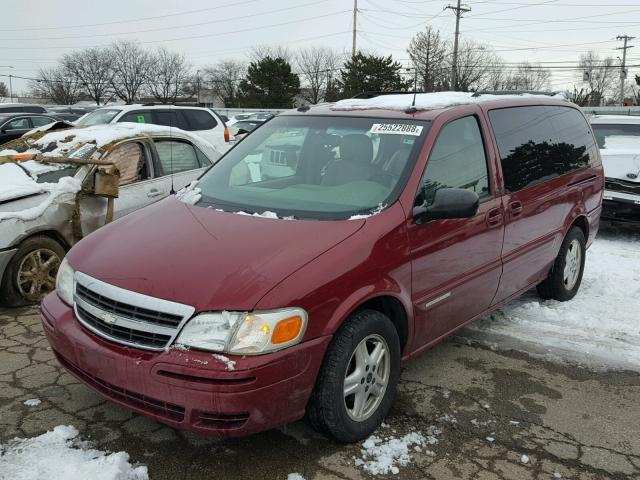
pixel 618 137
pixel 58 186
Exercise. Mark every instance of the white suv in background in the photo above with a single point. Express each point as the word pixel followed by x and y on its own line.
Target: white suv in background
pixel 202 121
pixel 618 137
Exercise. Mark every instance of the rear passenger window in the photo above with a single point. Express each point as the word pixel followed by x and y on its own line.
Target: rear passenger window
pixel 199 120
pixel 41 121
pixel 539 143
pixel 169 118
pixel 176 157
pixel 457 160
pixel 139 116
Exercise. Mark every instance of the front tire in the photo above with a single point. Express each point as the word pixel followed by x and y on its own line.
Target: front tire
pixel 31 273
pixel 565 276
pixel 358 379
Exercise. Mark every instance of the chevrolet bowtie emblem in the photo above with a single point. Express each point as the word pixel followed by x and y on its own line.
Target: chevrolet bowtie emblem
pixel 108 318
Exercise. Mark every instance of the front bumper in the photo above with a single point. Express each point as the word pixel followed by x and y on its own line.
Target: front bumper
pixel 621 206
pixel 188 389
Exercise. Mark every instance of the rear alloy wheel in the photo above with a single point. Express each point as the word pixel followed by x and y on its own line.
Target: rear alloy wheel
pixel 31 273
pixel 565 276
pixel 357 382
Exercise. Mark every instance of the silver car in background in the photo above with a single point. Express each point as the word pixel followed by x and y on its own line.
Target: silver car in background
pixel 48 199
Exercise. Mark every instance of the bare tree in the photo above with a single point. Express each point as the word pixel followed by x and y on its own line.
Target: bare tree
pixel 131 67
pixel 93 68
pixel 601 76
pixel 527 76
pixel 428 53
pixel 261 52
pixel 316 65
pixel 168 75
pixel 58 84
pixel 4 91
pixel 475 67
pixel 224 78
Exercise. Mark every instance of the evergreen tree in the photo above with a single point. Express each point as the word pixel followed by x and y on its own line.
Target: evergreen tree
pixel 269 83
pixel 369 73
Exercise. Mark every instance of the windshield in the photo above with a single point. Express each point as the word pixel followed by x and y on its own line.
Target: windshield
pixel 604 130
pixel 316 167
pixel 98 117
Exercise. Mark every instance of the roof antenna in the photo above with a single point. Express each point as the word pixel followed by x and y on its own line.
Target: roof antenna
pixel 412 108
pixel 173 190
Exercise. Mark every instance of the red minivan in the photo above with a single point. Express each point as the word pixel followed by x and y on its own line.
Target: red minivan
pixel 327 246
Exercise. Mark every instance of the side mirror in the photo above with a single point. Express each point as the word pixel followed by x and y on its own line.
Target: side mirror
pixel 106 182
pixel 448 203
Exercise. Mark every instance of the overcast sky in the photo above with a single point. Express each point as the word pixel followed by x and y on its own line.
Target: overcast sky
pixel 35 33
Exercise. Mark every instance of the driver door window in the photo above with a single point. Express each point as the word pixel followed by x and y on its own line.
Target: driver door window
pixel 457 160
pixel 130 161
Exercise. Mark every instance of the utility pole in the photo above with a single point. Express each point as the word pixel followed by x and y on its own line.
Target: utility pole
pixel 11 88
pixel 623 67
pixel 355 19
pixel 459 10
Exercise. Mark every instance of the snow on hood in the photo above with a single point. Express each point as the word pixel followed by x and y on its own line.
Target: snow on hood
pixel 426 101
pixel 622 142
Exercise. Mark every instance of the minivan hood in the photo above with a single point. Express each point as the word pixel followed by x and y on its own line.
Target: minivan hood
pixel 621 163
pixel 201 257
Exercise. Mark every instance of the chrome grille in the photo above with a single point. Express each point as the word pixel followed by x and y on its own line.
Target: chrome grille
pixel 127 317
pixel 618 185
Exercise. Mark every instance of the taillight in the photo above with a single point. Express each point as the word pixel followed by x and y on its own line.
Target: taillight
pixel 226 134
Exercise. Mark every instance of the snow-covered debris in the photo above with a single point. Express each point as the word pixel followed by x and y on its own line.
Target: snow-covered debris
pixel 32 402
pixel 231 365
pixel 100 135
pixel 190 194
pixel 66 185
pixel 59 454
pixel 381 457
pixel 425 101
pixel 622 142
pixel 524 459
pixel 599 327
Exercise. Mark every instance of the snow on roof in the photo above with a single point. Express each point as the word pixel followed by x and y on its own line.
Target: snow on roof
pixel 426 101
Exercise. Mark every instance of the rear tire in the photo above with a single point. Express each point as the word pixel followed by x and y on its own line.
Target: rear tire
pixel 31 273
pixel 565 276
pixel 357 382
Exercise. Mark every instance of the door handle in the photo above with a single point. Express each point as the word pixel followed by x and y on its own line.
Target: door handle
pixel 494 217
pixel 515 208
pixel 154 193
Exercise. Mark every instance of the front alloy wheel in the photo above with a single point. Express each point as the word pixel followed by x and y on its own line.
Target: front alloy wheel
pixel 357 382
pixel 367 377
pixel 37 274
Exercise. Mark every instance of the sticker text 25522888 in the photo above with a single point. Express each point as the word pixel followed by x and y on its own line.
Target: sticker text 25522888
pixel 396 129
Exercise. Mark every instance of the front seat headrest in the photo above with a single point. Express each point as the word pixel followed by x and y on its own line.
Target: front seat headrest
pixel 356 147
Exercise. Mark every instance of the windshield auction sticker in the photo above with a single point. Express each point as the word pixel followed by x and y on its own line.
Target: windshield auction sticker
pixel 396 129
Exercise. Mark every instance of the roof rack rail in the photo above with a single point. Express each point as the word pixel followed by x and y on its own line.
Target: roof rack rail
pixel 371 94
pixel 512 92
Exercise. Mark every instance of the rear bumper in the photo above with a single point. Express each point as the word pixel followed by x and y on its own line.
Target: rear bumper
pixel 189 390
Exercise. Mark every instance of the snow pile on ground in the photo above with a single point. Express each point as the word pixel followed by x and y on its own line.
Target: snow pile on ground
pixel 32 402
pixel 295 476
pixel 424 101
pixel 65 185
pixel 191 194
pixel 59 454
pixel 383 456
pixel 599 327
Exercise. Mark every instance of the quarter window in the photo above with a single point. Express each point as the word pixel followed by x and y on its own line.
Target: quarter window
pixel 176 157
pixel 541 142
pixel 200 120
pixel 457 160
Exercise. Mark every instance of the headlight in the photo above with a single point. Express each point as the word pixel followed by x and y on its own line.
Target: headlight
pixel 245 333
pixel 65 282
